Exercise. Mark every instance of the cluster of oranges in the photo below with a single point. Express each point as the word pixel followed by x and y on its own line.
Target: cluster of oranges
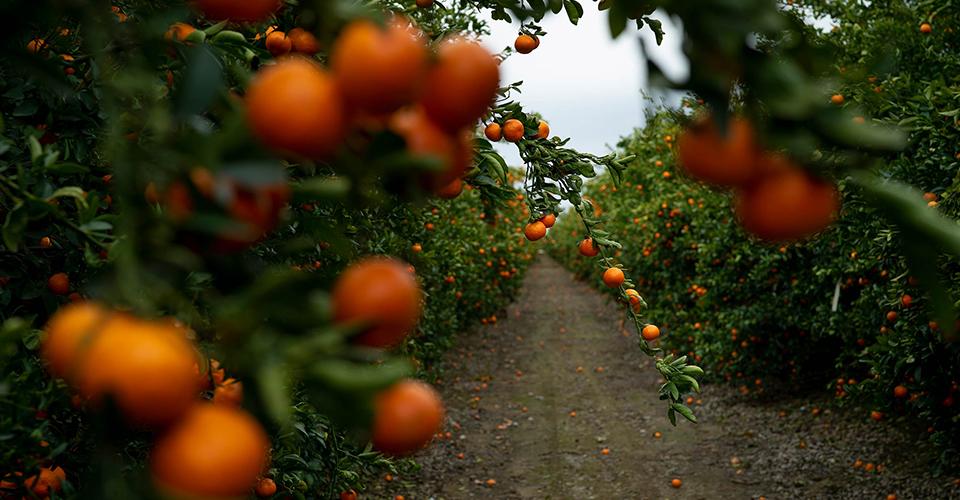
pixel 380 78
pixel 775 199
pixel 381 297
pixel 538 228
pixel 513 130
pixel 148 371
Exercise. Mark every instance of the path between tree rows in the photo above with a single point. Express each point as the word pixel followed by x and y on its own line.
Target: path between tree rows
pixel 533 401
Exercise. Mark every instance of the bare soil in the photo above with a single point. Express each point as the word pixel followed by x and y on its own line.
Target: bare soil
pixel 535 399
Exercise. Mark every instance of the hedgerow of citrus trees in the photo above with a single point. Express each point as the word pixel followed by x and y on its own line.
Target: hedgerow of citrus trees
pixel 847 307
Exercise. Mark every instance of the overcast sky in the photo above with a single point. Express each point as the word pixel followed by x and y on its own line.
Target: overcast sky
pixel 586 85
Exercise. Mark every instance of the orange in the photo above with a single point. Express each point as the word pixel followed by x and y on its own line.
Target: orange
pixel 837 99
pixel 787 205
pixel 303 41
pixel 451 190
pixel 68 332
pixel 423 4
pixel 493 132
pixel 46 482
pixel 379 69
pixel 725 160
pixel 543 130
pixel 229 393
pixel 525 44
pixel 278 43
pixel 266 488
pixel 876 415
pixel 513 130
pixel 46 242
pixel 613 277
pixel 650 333
pixel 59 284
pixel 588 248
pixel 891 316
pixel 632 295
pixel 406 417
pixel 177 32
pixel 535 230
pixel 424 138
pixel 906 300
pixel 36 45
pixel 378 293
pixel 247 10
pixel 294 106
pixel 214 451
pixel 549 220
pixel 349 495
pixel 676 483
pixel 145 367
pixel 926 28
pixel 900 391
pixel 462 84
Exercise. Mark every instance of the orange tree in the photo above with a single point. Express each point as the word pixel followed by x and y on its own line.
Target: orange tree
pixel 866 307
pixel 198 202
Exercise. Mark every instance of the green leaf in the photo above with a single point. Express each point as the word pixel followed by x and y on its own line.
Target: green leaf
pixel 14 227
pixel 202 81
pixel 69 192
pixel 572 12
pixel 657 28
pixel 274 390
pixel 356 377
pixel 324 188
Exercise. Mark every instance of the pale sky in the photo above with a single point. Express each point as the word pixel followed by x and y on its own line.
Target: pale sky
pixel 586 85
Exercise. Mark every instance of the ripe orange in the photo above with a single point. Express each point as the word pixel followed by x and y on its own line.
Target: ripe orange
pixel 406 417
pixel 876 415
pixel 423 4
pixel 46 482
pixel 493 132
pixel 837 99
pixel 229 393
pixel 378 293
pixel 725 160
pixel 535 230
pixel 294 106
pixel 350 495
pixel 525 44
pixel 632 295
pixel 787 205
pixel 304 42
pixel 543 130
pixel 145 367
pixel 266 488
pixel 177 32
pixel 59 284
pixel 513 130
pixel 588 248
pixel 906 300
pixel 613 277
pixel 891 316
pixel 36 45
pixel 416 248
pixel 247 10
pixel 46 242
pixel 462 84
pixel 676 483
pixel 278 43
pixel 926 28
pixel 451 190
pixel 424 138
pixel 650 333
pixel 66 334
pixel 379 69
pixel 214 451
pixel 549 220
pixel 900 391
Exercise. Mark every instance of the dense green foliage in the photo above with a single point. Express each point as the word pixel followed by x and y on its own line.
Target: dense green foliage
pixel 814 312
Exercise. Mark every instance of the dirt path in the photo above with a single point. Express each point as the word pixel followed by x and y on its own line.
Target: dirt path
pixel 535 399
